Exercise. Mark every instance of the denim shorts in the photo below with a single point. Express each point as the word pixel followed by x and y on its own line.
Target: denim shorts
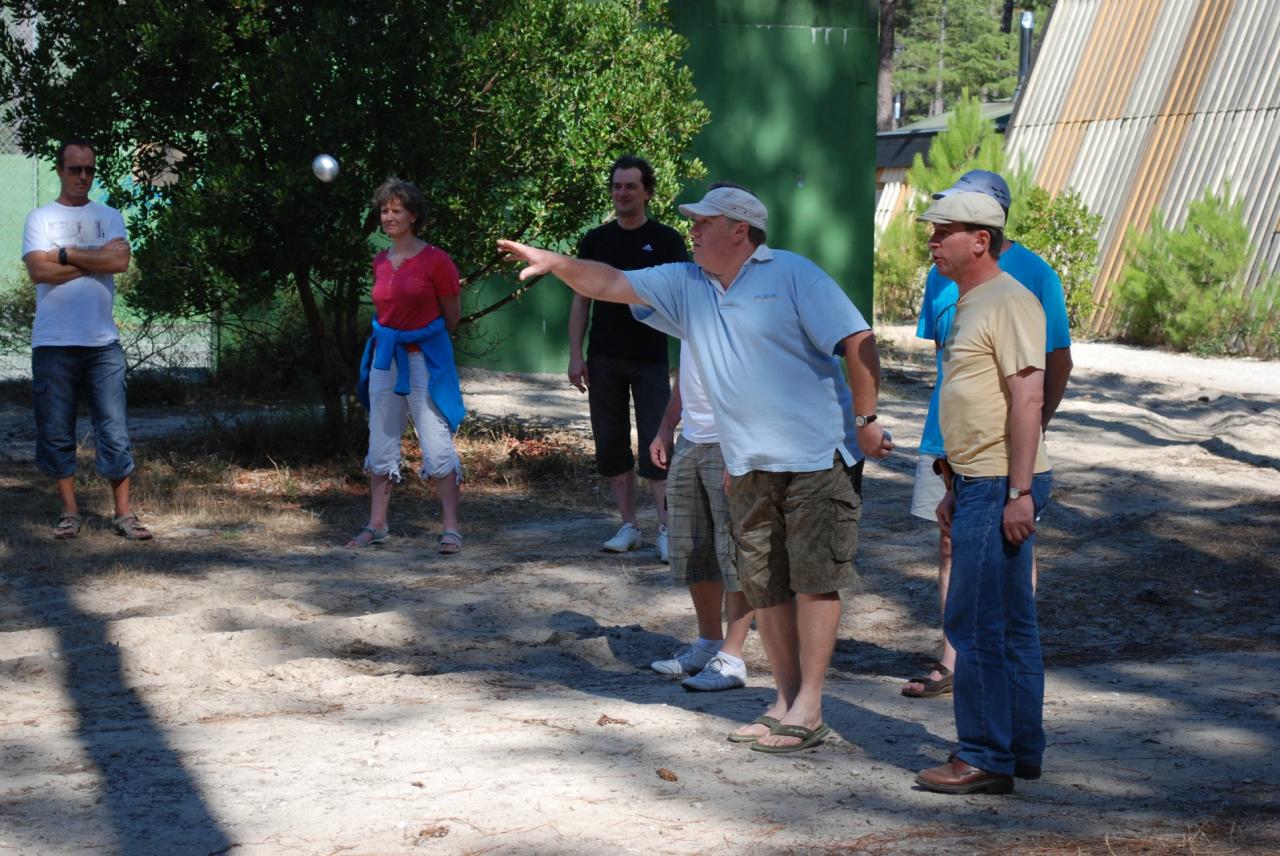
pixel 60 375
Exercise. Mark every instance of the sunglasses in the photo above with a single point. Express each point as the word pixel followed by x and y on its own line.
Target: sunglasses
pixel 81 170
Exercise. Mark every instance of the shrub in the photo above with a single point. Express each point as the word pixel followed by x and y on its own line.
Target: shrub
pixel 1187 288
pixel 901 260
pixel 1064 232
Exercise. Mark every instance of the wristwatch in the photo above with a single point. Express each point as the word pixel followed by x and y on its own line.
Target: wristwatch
pixel 864 421
pixel 62 255
pixel 1016 492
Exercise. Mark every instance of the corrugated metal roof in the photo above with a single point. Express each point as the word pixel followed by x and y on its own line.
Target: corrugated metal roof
pixel 1145 104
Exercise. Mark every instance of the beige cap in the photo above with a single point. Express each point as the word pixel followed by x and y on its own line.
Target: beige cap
pixel 979 209
pixel 731 202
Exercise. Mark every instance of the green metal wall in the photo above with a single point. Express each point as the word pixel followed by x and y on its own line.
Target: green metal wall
pixel 791 89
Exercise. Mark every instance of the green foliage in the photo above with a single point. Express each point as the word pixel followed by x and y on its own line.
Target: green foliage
pixel 207 115
pixel 1186 287
pixel 969 142
pixel 1063 232
pixel 17 312
pixel 901 259
pixel 946 47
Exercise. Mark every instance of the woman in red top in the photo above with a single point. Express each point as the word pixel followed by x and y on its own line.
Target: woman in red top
pixel 414 283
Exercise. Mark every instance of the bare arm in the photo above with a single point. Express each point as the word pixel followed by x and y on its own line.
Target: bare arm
pixel 111 257
pixel 451 309
pixel 590 279
pixel 665 440
pixel 1026 403
pixel 1057 369
pixel 862 367
pixel 579 311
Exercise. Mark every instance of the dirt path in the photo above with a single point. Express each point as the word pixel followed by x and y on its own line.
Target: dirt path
pixel 275 695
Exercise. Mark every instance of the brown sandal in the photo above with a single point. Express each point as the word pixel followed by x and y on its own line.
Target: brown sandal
pixel 130 528
pixel 68 526
pixel 930 687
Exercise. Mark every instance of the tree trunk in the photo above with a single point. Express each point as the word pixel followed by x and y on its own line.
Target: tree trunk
pixel 321 367
pixel 938 105
pixel 884 69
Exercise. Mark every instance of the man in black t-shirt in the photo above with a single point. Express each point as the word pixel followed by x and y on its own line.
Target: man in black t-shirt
pixel 626 360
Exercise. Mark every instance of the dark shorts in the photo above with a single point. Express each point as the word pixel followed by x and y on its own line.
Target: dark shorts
pixel 60 377
pixel 796 532
pixel 615 382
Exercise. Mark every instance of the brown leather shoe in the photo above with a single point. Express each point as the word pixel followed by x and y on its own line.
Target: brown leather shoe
pixel 957 777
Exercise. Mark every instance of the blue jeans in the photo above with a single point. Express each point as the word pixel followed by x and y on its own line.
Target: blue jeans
pixel 59 376
pixel 991 622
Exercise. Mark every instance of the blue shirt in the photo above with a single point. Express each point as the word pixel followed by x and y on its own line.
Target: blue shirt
pixel 765 348
pixel 939 309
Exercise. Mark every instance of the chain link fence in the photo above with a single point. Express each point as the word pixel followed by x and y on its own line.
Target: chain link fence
pixel 26 183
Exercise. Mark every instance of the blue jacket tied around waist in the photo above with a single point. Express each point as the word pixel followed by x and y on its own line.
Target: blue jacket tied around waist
pixel 386 343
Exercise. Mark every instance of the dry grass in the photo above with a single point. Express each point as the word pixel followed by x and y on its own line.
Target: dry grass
pixel 216 485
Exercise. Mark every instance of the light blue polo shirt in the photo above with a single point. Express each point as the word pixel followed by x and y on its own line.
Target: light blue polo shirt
pixel 765 349
pixel 938 309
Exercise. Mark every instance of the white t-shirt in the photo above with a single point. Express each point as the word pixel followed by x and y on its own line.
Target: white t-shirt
pixel 697 423
pixel 77 312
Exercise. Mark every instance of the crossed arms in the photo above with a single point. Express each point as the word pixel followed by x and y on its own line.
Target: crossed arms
pixel 43 265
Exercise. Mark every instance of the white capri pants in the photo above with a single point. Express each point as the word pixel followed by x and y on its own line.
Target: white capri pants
pixel 388 413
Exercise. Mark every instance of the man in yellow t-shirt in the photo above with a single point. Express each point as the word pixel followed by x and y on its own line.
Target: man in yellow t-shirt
pixel 990 409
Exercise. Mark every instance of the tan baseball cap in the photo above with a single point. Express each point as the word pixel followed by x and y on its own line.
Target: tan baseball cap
pixel 978 209
pixel 731 202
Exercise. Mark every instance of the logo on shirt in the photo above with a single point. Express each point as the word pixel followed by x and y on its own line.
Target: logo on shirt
pixel 761 298
pixel 648 248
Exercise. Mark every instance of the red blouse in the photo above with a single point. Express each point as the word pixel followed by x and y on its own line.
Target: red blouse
pixel 408 297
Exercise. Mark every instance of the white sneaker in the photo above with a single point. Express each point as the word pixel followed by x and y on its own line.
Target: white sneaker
pixel 664 545
pixel 718 675
pixel 627 538
pixel 685 661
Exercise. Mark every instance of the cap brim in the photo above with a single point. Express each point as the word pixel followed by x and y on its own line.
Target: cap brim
pixel 943 194
pixel 698 209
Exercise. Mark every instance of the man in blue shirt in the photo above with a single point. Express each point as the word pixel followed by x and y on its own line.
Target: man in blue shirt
pixel 766 329
pixel 936 314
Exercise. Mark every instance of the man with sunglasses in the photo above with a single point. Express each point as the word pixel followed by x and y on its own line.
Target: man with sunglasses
pixel 72 248
pixel 991 406
pixel 936 315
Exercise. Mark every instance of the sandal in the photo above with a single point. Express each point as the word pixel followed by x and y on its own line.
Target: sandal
pixel 449 542
pixel 767 721
pixel 130 528
pixel 367 537
pixel 68 526
pixel 931 688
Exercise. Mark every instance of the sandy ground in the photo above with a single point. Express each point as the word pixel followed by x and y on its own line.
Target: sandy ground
pixel 289 697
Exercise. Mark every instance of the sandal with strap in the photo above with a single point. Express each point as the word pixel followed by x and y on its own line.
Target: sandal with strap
pixel 68 526
pixel 130 528
pixel 450 542
pixel 930 687
pixel 367 537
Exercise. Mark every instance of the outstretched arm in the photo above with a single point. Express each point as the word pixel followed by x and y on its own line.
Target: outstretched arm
pixel 590 279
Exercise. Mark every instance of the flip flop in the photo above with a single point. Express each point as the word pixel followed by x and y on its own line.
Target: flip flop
pixel 809 737
pixel 767 721
pixel 932 688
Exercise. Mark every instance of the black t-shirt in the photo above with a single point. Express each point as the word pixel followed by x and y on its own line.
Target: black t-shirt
pixel 613 331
